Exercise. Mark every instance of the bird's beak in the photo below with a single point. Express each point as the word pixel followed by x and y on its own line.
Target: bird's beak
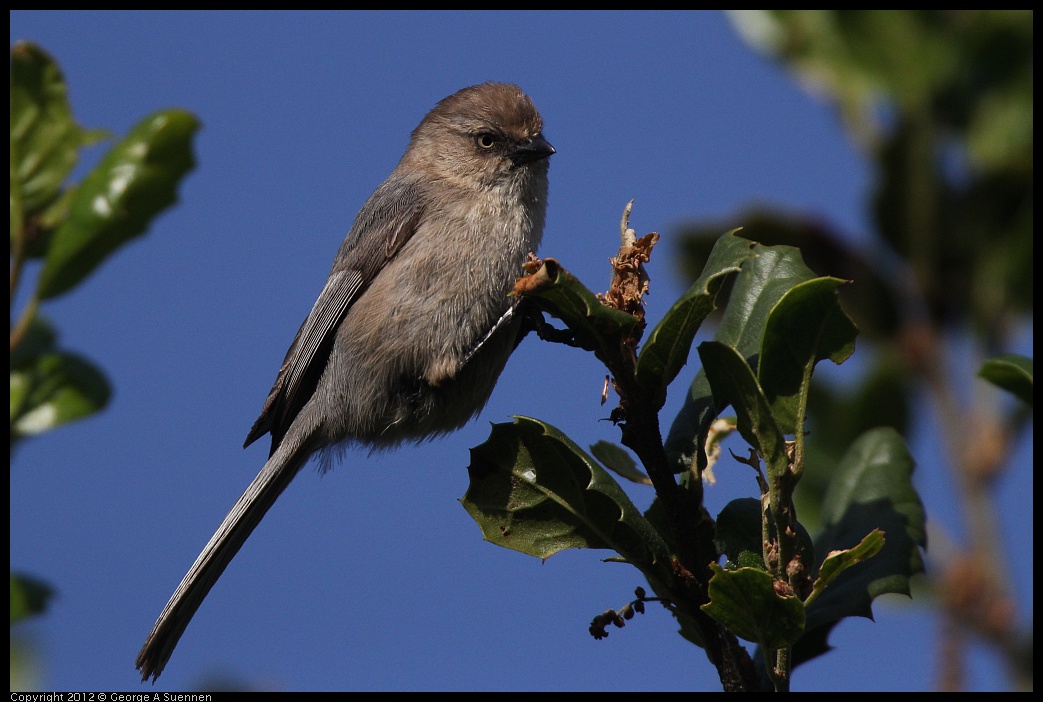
pixel 531 150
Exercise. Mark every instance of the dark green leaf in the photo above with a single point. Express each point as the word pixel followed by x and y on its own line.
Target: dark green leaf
pixel 1011 372
pixel 617 460
pixel 29 596
pixel 135 181
pixel 666 349
pixel 872 301
pixel 738 529
pixel 806 326
pixel 763 280
pixel 733 383
pixel 533 490
pixel 871 489
pixel 745 601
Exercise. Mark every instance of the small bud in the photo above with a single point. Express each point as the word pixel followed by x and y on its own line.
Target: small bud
pixel 597 627
pixel 783 588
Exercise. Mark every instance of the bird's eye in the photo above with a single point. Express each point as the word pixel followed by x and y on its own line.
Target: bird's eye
pixel 486 140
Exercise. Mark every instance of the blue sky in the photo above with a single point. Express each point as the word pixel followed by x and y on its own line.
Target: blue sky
pixel 373 577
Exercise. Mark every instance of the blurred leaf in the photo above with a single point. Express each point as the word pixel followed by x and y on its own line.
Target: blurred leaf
pixel 953 180
pixel 52 389
pixel 26 673
pixel 745 601
pixel 533 490
pixel 29 596
pixel 1011 372
pixel 806 326
pixel 966 238
pixel 763 280
pixel 116 202
pixel 595 326
pixel 617 460
pixel 39 338
pixel 912 209
pixel 1000 127
pixel 871 489
pixel 836 417
pixel 667 348
pixel 45 139
pixel 994 215
pixel 947 60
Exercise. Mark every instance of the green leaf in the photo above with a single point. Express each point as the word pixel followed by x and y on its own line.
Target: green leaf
pixel 595 327
pixel 1011 372
pixel 533 490
pixel 872 302
pixel 764 279
pixel 838 561
pixel 45 139
pixel 29 596
pixel 666 349
pixel 806 326
pixel 871 489
pixel 53 389
pixel 733 383
pixel 738 530
pixel 745 601
pixel 617 460
pixel 135 181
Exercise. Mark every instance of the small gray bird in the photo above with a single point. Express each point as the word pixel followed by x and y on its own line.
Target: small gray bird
pixel 414 324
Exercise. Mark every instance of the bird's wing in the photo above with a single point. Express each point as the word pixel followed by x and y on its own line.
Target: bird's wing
pixel 386 222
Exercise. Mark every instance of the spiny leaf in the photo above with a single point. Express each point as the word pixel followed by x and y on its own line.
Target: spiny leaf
pixel 806 326
pixel 871 489
pixel 763 280
pixel 533 490
pixel 745 601
pixel 617 460
pixel 733 384
pixel 667 348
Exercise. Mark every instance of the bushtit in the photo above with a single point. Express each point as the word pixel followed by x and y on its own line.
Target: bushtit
pixel 414 324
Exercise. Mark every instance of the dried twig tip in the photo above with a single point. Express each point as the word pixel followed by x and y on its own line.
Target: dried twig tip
pixel 627 236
